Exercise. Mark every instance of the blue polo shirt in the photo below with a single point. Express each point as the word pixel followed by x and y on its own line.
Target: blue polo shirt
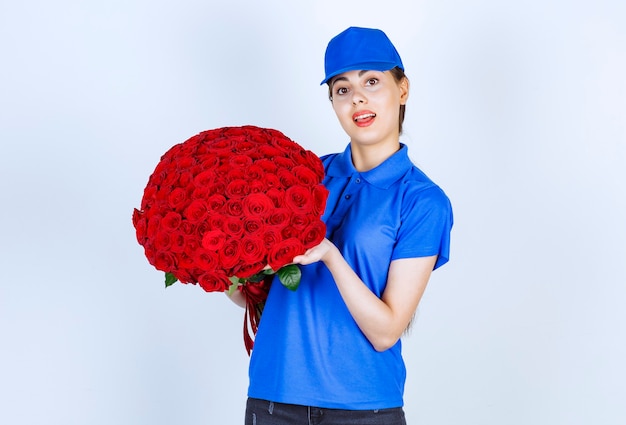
pixel 308 349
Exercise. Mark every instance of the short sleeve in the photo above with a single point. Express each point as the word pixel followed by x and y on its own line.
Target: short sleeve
pixel 426 223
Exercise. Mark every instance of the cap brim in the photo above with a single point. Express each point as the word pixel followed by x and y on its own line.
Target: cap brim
pixel 367 66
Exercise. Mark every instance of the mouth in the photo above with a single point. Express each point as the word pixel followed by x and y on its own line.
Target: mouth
pixel 363 118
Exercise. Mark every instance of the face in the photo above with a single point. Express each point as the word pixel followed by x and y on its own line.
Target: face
pixel 367 104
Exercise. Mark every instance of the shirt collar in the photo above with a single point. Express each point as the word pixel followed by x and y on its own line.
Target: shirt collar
pixel 383 176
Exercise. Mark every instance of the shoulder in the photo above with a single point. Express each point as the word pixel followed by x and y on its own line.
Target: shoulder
pixel 328 158
pixel 417 187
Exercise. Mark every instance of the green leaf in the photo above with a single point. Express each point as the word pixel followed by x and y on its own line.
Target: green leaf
pixel 290 276
pixel 256 278
pixel 170 279
pixel 232 288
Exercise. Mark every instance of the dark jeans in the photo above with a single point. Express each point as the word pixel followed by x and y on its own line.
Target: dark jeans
pixel 263 412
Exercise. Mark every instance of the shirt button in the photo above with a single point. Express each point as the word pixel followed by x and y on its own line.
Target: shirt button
pixel 358 180
pixel 348 196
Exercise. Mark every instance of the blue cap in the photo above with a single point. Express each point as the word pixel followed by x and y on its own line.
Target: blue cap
pixel 360 49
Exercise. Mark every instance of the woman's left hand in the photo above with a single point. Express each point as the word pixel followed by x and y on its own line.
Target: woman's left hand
pixel 315 254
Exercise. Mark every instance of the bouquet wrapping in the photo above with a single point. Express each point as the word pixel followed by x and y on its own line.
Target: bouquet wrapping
pixel 230 207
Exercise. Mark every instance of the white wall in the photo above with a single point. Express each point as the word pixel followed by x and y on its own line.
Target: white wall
pixel 517 110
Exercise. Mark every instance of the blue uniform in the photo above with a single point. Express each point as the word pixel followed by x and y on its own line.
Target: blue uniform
pixel 309 350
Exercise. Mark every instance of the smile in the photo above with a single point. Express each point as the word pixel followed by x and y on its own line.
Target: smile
pixel 363 118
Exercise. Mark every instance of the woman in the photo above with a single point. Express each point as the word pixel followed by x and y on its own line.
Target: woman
pixel 330 352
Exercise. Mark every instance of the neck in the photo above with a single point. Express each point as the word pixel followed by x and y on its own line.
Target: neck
pixel 368 157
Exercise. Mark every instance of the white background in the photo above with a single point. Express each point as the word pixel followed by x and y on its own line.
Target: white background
pixel 517 110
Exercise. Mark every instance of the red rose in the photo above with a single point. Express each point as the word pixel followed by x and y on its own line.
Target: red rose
pixel 196 211
pixel 153 226
pixel 170 178
pixel 162 242
pixel 284 252
pixel 279 217
pixel 257 204
pixel 185 179
pixel 213 240
pixel 271 181
pixel 177 240
pixel 206 260
pixel 164 261
pixel 171 221
pixel 149 196
pixel 271 236
pixel 235 173
pixel 184 163
pixel 252 225
pixel 217 221
pixel 278 140
pixel 187 228
pixel 257 186
pixel 214 281
pixel 216 202
pixel 248 270
pixel 320 194
pixel 177 198
pixel 222 145
pixel 233 226
pixel 277 196
pixel 200 192
pixel 305 175
pixel 192 245
pixel 252 250
pixel 141 226
pixel 268 151
pixel 229 254
pixel 209 162
pixel 313 234
pixel 237 189
pixel 204 178
pixel 243 161
pixel 286 177
pixel 266 165
pixel 300 221
pixel 186 262
pixel 202 228
pixel 183 275
pixel 285 163
pixel 298 198
pixel 311 161
pixel 234 207
pixel 289 232
pixel 244 147
pixel 217 188
pixel 254 172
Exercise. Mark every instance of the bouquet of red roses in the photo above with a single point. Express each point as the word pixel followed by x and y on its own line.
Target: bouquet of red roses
pixel 230 207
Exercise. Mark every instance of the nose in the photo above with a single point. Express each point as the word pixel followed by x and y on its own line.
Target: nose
pixel 358 97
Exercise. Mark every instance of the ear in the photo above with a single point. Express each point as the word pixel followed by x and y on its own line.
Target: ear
pixel 404 90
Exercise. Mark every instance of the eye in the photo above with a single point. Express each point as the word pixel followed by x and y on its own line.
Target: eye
pixel 341 90
pixel 371 82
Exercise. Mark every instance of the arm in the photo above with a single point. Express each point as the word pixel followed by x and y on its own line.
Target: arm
pixel 382 320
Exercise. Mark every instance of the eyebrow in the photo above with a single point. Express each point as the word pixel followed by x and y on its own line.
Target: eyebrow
pixel 332 83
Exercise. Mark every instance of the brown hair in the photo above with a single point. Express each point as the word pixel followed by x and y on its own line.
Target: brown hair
pixel 398 75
